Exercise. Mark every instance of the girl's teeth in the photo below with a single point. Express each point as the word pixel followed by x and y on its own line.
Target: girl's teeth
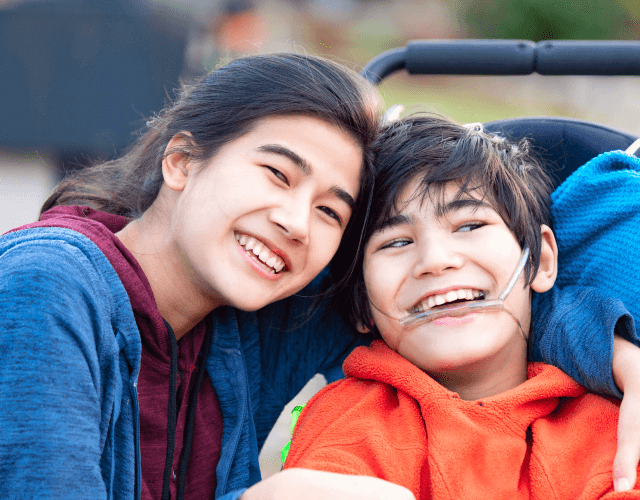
pixel 439 300
pixel 261 251
pixel 431 302
pixel 451 296
pixel 264 255
pixel 462 294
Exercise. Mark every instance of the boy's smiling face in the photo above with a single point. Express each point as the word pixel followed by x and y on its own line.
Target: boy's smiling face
pixel 423 257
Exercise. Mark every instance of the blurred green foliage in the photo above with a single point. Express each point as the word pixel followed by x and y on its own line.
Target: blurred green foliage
pixel 549 19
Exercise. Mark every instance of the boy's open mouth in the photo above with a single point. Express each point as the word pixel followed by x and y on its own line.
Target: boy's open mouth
pixel 459 296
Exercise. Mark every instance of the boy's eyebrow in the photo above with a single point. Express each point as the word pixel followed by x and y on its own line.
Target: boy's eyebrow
pixel 305 168
pixel 394 221
pixel 442 211
pixel 455 205
pixel 292 156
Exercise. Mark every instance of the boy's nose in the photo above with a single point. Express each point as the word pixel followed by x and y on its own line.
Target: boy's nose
pixel 436 258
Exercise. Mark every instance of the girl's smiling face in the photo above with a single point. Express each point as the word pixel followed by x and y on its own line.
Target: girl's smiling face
pixel 266 214
pixel 426 255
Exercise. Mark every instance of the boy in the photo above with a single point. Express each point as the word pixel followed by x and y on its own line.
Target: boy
pixel 449 407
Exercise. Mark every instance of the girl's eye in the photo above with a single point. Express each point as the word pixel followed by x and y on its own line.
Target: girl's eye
pixel 332 214
pixel 278 174
pixel 470 226
pixel 396 243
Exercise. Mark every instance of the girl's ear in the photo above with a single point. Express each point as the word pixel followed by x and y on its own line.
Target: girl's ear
pixel 548 270
pixel 176 165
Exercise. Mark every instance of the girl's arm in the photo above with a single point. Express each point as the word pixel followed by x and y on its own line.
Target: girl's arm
pixel 574 330
pixel 626 373
pixel 305 484
pixel 52 400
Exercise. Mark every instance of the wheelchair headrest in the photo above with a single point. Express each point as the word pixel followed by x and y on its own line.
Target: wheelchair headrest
pixel 564 144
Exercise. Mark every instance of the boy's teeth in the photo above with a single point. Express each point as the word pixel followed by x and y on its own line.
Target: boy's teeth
pixel 450 296
pixel 261 251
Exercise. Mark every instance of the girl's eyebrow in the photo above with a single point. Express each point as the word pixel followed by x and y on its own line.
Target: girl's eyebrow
pixel 292 156
pixel 305 167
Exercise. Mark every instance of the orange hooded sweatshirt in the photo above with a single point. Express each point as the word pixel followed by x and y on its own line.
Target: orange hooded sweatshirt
pixel 545 439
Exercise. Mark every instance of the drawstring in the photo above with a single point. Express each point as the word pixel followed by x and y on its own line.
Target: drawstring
pixel 191 415
pixel 171 417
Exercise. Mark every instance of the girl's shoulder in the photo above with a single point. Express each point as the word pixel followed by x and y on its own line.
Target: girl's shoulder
pixel 54 250
pixel 44 267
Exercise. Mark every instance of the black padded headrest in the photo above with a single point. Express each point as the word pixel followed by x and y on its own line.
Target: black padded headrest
pixel 564 144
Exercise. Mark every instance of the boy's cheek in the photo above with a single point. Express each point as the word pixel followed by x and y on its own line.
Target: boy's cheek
pixel 390 330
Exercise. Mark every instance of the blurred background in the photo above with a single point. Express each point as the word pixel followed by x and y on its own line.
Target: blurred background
pixel 78 78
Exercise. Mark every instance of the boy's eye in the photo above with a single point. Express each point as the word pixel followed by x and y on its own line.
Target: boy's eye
pixel 396 243
pixel 278 174
pixel 332 214
pixel 469 226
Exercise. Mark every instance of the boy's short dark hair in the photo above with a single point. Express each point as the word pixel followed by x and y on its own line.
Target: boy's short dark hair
pixel 506 173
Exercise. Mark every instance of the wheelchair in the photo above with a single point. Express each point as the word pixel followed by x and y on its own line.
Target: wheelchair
pixel 565 143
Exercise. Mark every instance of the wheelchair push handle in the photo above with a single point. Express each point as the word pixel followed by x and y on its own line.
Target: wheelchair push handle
pixel 508 57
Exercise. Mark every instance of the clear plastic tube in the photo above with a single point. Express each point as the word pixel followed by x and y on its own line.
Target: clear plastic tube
pixel 457 310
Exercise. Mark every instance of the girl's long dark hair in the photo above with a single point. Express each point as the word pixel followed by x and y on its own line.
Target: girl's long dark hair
pixel 223 106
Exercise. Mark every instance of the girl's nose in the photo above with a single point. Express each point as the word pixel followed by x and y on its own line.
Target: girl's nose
pixel 293 221
pixel 435 258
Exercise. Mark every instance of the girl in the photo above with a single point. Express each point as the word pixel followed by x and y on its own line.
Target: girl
pixel 117 382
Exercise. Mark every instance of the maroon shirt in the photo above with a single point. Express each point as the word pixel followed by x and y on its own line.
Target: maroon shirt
pixel 153 381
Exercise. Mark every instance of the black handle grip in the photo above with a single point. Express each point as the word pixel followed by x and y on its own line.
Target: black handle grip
pixel 471 57
pixel 508 57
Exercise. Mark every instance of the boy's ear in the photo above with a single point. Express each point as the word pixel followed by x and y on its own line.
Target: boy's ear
pixel 548 269
pixel 362 328
pixel 175 167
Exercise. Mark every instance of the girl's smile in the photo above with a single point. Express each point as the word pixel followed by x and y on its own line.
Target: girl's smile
pixel 265 215
pixel 268 261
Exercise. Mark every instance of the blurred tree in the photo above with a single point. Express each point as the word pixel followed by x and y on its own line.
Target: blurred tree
pixel 545 19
